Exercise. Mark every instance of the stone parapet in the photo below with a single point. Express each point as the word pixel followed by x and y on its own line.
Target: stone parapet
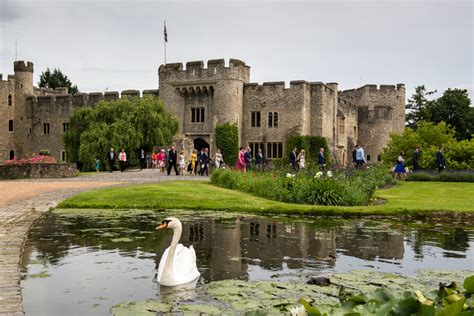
pixel 38 171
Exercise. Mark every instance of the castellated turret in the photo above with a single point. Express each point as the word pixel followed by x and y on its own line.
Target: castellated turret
pixel 381 112
pixel 202 97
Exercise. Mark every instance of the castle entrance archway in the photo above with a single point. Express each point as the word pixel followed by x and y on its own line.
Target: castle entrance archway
pixel 200 143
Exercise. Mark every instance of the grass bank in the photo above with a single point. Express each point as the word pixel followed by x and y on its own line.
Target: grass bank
pixel 411 198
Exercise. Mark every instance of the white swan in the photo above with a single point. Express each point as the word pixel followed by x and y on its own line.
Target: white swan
pixel 178 263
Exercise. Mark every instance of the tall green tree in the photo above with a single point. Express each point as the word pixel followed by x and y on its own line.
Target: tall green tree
pixel 417 107
pixel 458 154
pixel 454 108
pixel 131 123
pixel 56 79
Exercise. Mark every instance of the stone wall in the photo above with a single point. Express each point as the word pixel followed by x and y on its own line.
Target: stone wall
pixel 38 171
pixel 7 112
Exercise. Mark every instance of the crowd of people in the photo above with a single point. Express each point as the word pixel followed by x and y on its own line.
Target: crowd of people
pixel 166 159
pixel 199 162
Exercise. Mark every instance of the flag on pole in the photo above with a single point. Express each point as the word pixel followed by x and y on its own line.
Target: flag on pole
pixel 165 34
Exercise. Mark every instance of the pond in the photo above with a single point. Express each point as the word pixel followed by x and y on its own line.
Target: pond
pixel 82 262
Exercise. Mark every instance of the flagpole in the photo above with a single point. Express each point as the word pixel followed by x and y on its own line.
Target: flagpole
pixel 165 39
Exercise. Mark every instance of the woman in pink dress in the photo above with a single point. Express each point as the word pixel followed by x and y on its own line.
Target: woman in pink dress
pixel 161 160
pixel 240 163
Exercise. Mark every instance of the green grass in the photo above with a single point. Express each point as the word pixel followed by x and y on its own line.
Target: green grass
pixel 406 198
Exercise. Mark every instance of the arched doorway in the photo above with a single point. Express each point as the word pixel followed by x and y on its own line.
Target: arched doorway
pixel 200 143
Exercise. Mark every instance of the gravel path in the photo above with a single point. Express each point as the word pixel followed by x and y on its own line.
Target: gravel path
pixel 22 202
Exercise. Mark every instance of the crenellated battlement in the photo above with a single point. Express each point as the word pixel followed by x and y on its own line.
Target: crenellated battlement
pixel 196 71
pixel 294 85
pixel 22 66
pixel 84 99
pixel 381 88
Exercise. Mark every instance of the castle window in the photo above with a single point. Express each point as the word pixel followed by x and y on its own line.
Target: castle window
pixel 355 132
pixel 10 101
pixel 368 157
pixel 12 154
pixel 379 158
pixel 63 155
pixel 341 125
pixel 65 126
pixel 254 147
pixel 30 131
pixel 255 119
pixel 10 125
pixel 274 150
pixel 197 115
pixel 272 119
pixel 45 128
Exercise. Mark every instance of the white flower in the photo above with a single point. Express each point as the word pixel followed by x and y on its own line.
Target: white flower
pixel 318 175
pixel 329 174
pixel 298 310
pixel 289 175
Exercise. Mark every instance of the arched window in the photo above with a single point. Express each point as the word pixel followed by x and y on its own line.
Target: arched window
pixel 10 125
pixel 12 154
pixel 10 102
pixel 275 119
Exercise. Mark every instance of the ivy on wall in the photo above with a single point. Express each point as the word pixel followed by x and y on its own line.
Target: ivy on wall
pixel 227 140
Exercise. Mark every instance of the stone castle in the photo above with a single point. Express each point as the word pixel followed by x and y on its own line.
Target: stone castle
pixel 34 119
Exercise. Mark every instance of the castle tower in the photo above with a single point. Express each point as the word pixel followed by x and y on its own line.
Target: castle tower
pixel 381 112
pixel 203 97
pixel 23 88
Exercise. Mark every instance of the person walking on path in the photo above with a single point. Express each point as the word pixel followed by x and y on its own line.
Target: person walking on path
pixel 240 163
pixel 293 159
pixel 248 159
pixel 204 161
pixel 360 157
pixel 321 159
pixel 181 163
pixel 193 161
pixel 301 159
pixel 218 159
pixel 440 159
pixel 97 164
pixel 259 160
pixel 161 156
pixel 415 159
pixel 172 160
pixel 142 158
pixel 122 160
pixel 111 159
pixel 400 170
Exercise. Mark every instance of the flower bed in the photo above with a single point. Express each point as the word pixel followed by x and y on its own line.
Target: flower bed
pixel 308 187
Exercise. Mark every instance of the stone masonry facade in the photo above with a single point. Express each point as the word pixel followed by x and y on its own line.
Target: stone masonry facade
pixel 34 119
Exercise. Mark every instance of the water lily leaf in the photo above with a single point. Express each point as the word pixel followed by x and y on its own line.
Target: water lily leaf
pixel 452 309
pixel 312 311
pixel 199 308
pixel 141 308
pixel 469 284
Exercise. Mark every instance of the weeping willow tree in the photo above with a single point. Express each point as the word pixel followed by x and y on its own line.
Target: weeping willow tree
pixel 129 123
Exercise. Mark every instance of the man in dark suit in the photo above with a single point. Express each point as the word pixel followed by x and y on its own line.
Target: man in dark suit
pixel 293 158
pixel 321 159
pixel 440 159
pixel 415 159
pixel 248 159
pixel 111 159
pixel 172 157
pixel 204 162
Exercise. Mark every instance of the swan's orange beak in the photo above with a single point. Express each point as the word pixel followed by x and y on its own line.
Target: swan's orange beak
pixel 161 226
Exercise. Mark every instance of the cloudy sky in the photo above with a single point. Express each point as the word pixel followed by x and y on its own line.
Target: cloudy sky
pixel 118 45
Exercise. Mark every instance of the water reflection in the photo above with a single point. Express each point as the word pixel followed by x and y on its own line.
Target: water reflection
pixel 119 255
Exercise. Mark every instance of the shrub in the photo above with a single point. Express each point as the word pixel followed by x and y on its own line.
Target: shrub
pixel 308 187
pixel 227 138
pixel 31 160
pixel 445 176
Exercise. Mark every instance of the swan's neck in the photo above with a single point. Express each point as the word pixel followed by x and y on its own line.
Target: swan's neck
pixel 174 242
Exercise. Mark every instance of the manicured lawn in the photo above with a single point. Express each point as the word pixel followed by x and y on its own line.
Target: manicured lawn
pixel 406 198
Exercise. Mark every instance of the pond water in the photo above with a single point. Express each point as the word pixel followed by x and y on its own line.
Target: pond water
pixel 82 262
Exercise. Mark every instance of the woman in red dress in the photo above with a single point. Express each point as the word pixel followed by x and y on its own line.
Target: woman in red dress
pixel 240 163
